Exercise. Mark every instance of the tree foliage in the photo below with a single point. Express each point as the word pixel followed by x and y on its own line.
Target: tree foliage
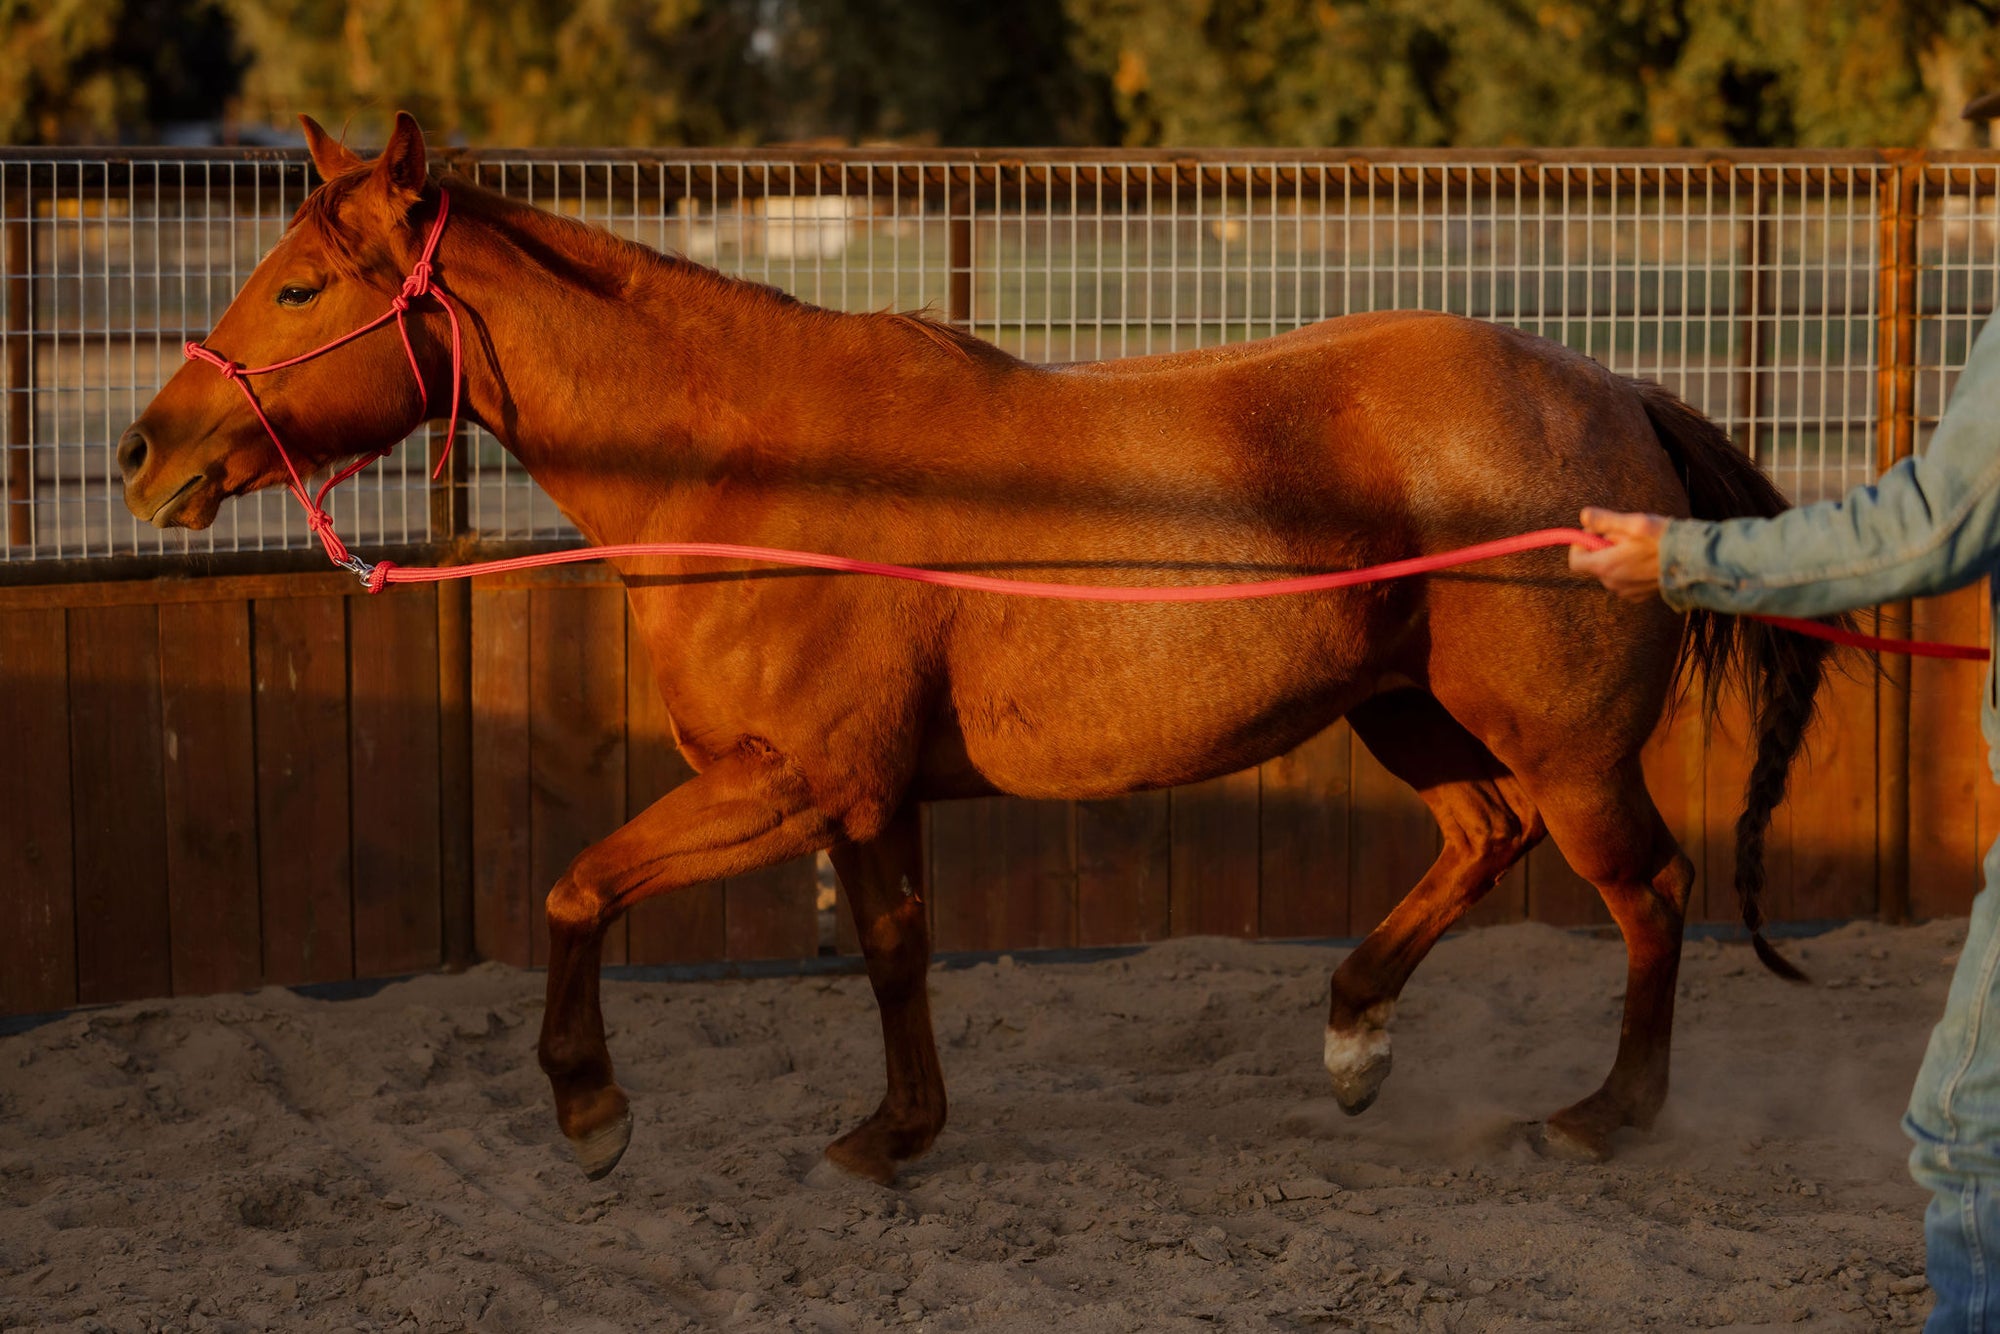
pixel 498 71
pixel 105 69
pixel 1276 72
pixel 1471 72
pixel 964 72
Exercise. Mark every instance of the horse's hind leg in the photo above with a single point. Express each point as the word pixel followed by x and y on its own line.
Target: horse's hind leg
pixel 1488 824
pixel 885 889
pixel 1614 837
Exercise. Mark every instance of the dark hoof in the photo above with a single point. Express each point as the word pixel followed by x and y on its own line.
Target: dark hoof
pixel 1358 1106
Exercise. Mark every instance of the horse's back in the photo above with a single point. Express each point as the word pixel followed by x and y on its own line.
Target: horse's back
pixel 1342 444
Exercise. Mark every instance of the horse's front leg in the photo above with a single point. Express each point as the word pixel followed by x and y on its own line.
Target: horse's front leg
pixel 744 813
pixel 884 881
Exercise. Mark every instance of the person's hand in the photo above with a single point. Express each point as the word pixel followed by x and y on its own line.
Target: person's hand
pixel 1630 566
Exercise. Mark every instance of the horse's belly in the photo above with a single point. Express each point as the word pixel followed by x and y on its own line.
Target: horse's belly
pixel 1177 697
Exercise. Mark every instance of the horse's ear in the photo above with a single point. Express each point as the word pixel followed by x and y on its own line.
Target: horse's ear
pixel 401 170
pixel 330 156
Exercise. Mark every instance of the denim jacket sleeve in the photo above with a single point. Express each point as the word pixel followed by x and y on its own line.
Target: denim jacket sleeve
pixel 1927 525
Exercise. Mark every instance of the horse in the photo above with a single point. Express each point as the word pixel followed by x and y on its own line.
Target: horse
pixel 656 399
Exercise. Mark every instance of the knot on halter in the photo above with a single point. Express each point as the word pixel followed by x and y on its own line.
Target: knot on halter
pixel 419 282
pixel 378 575
pixel 194 351
pixel 321 524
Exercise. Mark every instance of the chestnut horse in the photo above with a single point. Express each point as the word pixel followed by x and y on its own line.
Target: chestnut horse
pixel 657 400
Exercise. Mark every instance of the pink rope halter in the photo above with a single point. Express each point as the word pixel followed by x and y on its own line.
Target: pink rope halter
pixel 418 285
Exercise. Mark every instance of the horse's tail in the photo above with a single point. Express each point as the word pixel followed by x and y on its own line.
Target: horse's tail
pixel 1779 672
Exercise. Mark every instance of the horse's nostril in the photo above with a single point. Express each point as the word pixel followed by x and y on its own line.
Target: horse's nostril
pixel 131 451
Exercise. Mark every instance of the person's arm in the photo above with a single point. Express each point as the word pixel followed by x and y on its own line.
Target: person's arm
pixel 1927 525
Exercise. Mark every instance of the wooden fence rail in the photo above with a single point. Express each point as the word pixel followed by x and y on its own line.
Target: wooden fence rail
pixel 213 784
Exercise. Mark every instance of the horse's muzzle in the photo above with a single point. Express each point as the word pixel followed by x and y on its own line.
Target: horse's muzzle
pixel 133 447
pixel 162 501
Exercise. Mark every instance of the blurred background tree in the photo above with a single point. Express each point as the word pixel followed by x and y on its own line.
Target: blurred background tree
pixel 1198 72
pixel 503 71
pixel 98 70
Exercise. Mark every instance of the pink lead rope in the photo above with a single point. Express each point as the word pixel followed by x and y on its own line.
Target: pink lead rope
pixel 379 575
pixel 387 573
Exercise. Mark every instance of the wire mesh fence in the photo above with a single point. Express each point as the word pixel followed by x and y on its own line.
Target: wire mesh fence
pixel 1809 302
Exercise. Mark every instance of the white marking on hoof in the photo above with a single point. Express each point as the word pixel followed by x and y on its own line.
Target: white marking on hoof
pixel 599 1151
pixel 830 1174
pixel 1359 1058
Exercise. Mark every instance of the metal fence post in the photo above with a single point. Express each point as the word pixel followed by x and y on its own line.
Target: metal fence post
pixel 18 222
pixel 958 254
pixel 1761 242
pixel 1895 439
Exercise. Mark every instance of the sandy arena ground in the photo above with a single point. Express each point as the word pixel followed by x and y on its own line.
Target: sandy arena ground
pixel 1141 1144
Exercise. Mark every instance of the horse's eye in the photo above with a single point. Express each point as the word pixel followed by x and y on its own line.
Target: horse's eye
pixel 296 296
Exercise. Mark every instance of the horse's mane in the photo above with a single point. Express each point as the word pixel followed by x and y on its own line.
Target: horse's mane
pixel 321 214
pixel 954 340
pixel 600 259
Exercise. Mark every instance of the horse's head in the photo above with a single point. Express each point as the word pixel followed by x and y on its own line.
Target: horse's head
pixel 342 260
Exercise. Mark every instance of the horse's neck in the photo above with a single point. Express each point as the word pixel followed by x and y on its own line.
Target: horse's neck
pixel 611 374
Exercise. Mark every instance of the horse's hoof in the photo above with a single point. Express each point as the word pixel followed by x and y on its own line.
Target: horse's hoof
pixel 876 1148
pixel 598 1150
pixel 1352 1105
pixel 858 1162
pixel 1356 1088
pixel 1574 1143
pixel 1358 1060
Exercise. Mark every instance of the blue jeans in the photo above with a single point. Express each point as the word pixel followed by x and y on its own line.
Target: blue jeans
pixel 1954 1121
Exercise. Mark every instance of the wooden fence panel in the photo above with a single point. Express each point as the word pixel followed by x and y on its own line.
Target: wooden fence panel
pixel 1947 769
pixel 1124 869
pixel 1830 810
pixel 454 687
pixel 193 714
pixel 505 902
pixel 1557 894
pixel 392 673
pixel 37 907
pixel 1215 862
pixel 688 925
pixel 1986 794
pixel 576 734
pixel 1392 841
pixel 1003 874
pixel 1302 847
pixel 770 914
pixel 123 939
pixel 211 799
pixel 305 858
